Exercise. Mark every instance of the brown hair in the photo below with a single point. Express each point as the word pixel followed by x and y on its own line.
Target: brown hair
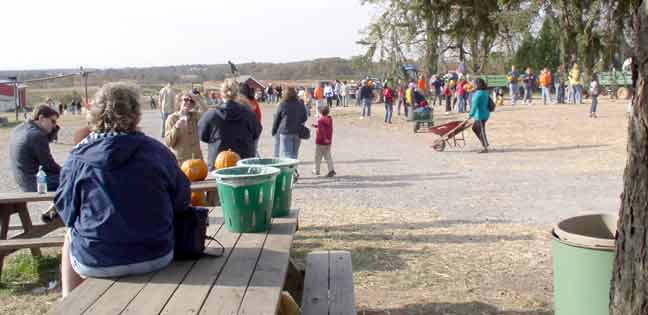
pixel 115 108
pixel 44 110
pixel 480 84
pixel 291 94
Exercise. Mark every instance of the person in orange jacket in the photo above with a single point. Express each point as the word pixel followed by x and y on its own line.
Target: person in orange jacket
pixel 545 85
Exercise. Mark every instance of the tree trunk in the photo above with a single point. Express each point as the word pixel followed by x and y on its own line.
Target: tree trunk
pixel 431 44
pixel 629 289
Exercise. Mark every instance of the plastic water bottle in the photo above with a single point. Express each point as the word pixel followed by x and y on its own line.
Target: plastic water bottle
pixel 41 181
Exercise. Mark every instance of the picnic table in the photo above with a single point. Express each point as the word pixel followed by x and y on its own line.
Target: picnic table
pixel 247 279
pixel 31 237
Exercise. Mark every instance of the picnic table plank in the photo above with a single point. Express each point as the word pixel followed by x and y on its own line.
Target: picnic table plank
pixel 18 243
pixel 92 290
pixel 263 292
pixel 117 297
pixel 233 280
pixel 24 197
pixel 166 287
pixel 192 292
pixel 341 283
pixel 155 295
pixel 316 284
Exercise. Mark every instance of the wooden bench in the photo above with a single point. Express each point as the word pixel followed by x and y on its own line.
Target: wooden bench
pixel 16 203
pixel 328 284
pixel 247 279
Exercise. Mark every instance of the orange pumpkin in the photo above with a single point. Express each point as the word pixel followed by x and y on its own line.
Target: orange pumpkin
pixel 198 199
pixel 195 169
pixel 226 159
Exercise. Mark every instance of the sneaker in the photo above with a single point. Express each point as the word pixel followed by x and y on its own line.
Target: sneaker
pixel 316 173
pixel 485 150
pixel 330 174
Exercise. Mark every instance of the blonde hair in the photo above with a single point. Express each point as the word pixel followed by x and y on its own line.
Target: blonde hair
pixel 115 108
pixel 230 89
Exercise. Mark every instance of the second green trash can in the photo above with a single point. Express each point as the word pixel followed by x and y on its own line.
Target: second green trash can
pixel 583 257
pixel 284 183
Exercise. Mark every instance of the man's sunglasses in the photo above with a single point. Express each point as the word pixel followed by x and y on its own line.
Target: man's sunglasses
pixel 188 100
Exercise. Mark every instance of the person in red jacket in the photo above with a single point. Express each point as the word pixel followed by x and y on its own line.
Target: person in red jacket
pixel 323 142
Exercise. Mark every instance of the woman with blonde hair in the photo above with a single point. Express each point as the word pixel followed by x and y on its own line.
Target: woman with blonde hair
pixel 181 130
pixel 233 126
pixel 119 191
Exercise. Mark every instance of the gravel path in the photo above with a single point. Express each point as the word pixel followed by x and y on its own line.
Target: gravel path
pixel 390 168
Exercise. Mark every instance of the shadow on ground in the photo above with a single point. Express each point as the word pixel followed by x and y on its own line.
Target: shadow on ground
pixel 361 161
pixel 451 309
pixel 373 181
pixel 397 226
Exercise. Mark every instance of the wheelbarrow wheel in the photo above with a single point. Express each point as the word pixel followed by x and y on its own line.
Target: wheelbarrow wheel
pixel 439 147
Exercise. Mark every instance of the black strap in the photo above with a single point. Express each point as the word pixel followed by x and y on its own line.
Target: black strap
pixel 219 243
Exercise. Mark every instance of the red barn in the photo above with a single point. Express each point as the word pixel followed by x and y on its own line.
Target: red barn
pixel 7 101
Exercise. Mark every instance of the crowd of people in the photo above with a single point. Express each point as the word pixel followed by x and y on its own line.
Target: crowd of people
pixel 114 168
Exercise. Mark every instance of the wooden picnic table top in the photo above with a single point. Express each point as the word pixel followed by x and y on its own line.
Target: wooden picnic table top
pixel 247 279
pixel 24 197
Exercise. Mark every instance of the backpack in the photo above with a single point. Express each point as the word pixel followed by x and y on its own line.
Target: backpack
pixel 491 105
pixel 190 231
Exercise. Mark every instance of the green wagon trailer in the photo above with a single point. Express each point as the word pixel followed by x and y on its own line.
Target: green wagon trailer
pixel 616 84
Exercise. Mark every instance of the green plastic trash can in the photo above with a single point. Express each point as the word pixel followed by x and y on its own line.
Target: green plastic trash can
pixel 284 183
pixel 583 256
pixel 246 194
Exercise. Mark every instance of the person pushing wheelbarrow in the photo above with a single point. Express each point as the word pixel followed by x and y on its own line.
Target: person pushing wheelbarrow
pixel 482 106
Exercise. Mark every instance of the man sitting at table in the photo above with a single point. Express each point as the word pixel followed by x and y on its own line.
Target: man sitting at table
pixel 118 194
pixel 29 149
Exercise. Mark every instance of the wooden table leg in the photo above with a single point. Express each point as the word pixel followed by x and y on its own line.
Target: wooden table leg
pixel 212 198
pixel 294 282
pixel 26 222
pixel 5 214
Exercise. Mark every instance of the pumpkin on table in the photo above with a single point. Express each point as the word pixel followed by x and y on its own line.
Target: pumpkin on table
pixel 198 199
pixel 226 159
pixel 195 169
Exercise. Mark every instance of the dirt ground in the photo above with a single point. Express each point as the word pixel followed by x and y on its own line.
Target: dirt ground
pixel 451 232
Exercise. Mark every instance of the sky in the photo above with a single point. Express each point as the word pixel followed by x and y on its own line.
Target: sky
pixel 56 34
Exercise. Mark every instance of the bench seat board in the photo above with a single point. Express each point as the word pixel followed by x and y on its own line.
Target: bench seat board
pixel 316 284
pixel 341 284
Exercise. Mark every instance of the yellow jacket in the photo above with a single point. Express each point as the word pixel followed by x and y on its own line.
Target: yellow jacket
pixel 574 77
pixel 409 95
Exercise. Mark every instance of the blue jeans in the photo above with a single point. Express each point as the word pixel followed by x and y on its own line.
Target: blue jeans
pixel 289 144
pixel 571 92
pixel 366 107
pixel 578 94
pixel 461 105
pixel 513 90
pixel 560 93
pixel 389 110
pixel 528 94
pixel 594 104
pixel 212 152
pixel 277 148
pixel 164 119
pixel 546 95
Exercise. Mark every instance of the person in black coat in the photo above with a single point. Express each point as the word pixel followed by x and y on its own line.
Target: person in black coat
pixel 233 126
pixel 289 123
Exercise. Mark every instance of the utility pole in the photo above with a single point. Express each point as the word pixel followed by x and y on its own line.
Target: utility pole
pixel 84 74
pixel 15 93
